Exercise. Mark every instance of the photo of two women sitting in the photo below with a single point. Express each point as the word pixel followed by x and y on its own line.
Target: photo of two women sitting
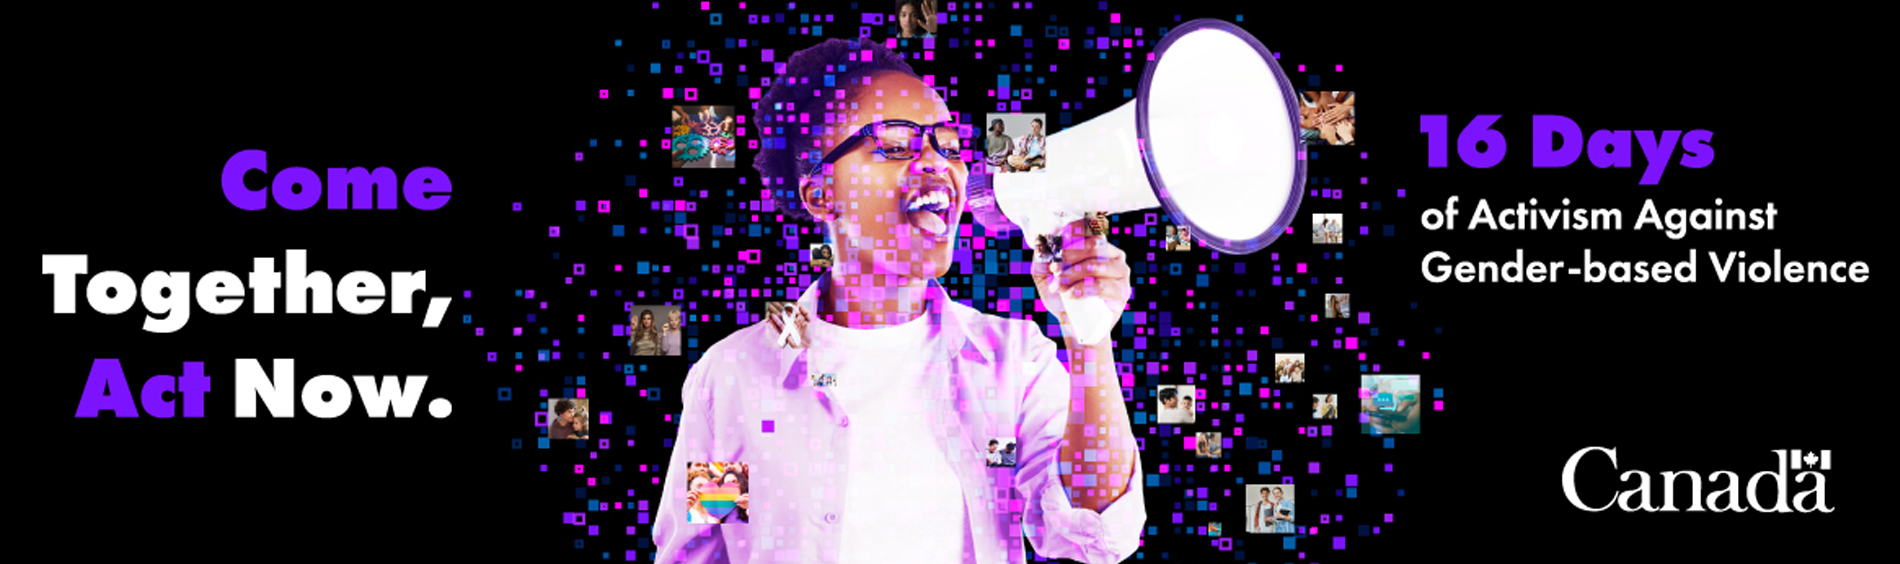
pixel 1023 152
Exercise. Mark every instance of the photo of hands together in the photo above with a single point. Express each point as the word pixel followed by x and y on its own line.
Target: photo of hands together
pixel 1328 118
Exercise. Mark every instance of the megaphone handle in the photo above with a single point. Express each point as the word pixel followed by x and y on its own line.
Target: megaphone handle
pixel 1089 318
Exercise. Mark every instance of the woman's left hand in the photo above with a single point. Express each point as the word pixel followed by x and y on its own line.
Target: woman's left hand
pixel 1089 266
pixel 929 15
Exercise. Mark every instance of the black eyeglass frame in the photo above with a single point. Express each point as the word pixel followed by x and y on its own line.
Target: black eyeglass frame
pixel 870 129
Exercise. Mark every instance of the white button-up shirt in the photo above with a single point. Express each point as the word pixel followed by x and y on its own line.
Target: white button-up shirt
pixel 999 377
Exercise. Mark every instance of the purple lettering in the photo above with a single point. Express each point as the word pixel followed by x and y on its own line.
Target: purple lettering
pixel 1696 152
pixel 357 184
pixel 106 390
pixel 1545 130
pixel 1610 148
pixel 1657 152
pixel 296 188
pixel 193 386
pixel 152 396
pixel 426 188
pixel 234 169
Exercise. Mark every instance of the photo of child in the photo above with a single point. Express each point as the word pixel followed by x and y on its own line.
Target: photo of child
pixel 1175 406
pixel 567 419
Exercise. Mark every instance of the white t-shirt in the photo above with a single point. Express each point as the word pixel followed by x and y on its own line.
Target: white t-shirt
pixel 901 483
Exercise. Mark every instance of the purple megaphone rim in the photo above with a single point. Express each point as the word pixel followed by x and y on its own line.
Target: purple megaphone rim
pixel 1287 214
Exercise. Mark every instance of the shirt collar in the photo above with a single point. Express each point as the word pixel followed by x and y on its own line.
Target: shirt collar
pixel 951 317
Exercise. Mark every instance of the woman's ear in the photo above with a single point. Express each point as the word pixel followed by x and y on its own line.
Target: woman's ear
pixel 816 198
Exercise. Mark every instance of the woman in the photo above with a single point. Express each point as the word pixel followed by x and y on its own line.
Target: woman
pixel 698 482
pixel 821 258
pixel 735 477
pixel 670 333
pixel 645 338
pixel 1028 151
pixel 1325 409
pixel 1283 512
pixel 1169 240
pixel 905 352
pixel 916 18
pixel 998 146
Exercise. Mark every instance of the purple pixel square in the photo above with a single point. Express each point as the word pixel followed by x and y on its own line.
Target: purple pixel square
pixel 1352 480
pixel 766 426
pixel 1312 467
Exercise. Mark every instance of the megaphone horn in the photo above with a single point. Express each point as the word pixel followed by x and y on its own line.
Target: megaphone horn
pixel 1212 136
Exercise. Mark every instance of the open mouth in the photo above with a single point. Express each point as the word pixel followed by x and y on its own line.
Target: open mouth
pixel 929 209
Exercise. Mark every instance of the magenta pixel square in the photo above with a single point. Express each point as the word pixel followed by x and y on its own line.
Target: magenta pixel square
pixel 766 426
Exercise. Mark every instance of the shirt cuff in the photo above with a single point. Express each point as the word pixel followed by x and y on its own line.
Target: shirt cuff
pixel 1105 537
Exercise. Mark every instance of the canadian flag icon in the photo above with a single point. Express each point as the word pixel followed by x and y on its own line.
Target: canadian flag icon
pixel 1814 460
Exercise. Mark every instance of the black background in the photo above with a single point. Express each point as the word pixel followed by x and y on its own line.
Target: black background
pixel 128 121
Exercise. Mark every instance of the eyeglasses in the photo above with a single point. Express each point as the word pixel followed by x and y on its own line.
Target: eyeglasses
pixel 900 140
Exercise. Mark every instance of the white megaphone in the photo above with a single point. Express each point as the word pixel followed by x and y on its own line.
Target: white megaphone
pixel 1212 135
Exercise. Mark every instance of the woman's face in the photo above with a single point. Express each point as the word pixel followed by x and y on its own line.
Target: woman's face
pixel 1035 128
pixel 673 317
pixel 870 199
pixel 907 17
pixel 646 320
pixel 700 483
